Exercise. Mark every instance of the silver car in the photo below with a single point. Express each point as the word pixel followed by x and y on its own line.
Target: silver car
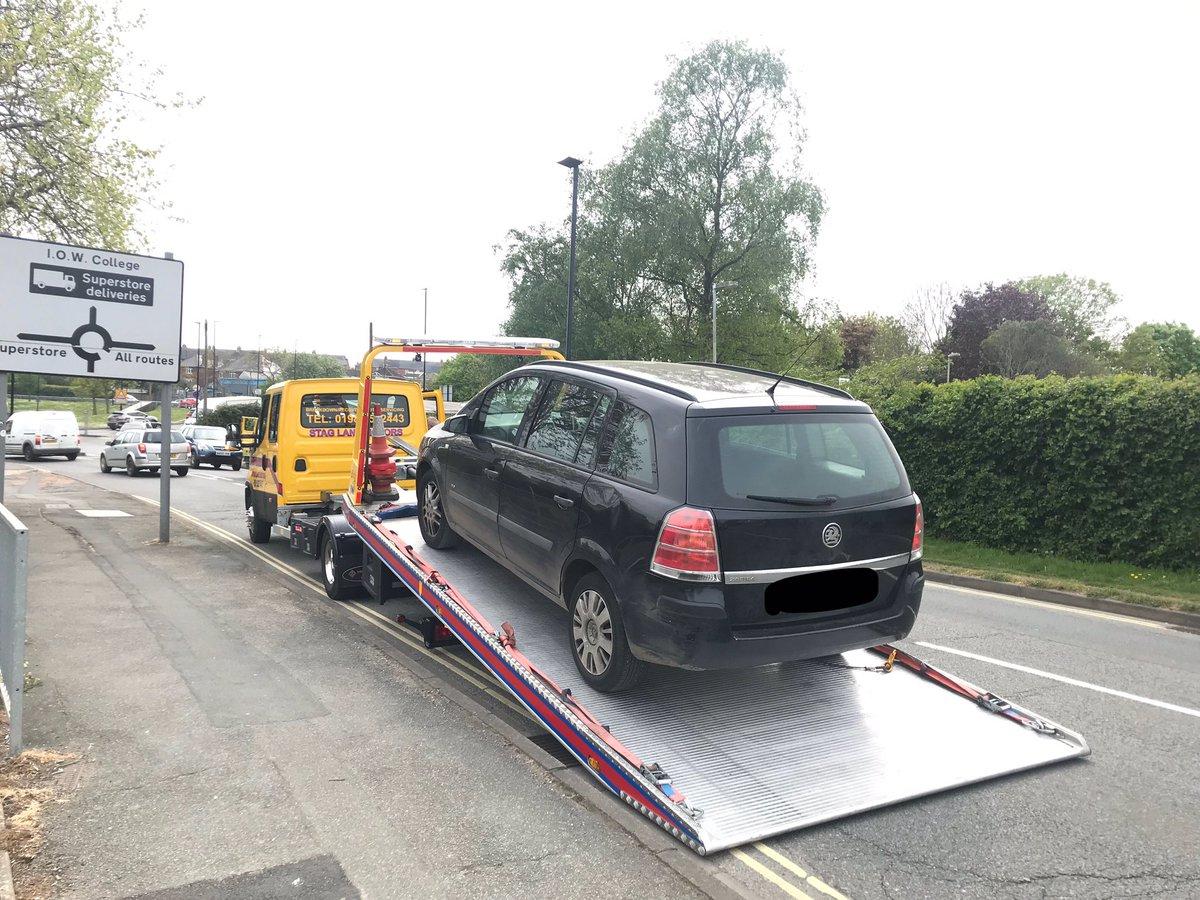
pixel 135 449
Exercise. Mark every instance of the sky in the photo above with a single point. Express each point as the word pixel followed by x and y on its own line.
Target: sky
pixel 345 159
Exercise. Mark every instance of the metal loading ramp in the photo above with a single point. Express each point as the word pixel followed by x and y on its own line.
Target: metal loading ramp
pixel 763 751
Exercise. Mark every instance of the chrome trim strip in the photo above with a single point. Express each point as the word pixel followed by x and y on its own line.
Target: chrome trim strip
pixel 763 576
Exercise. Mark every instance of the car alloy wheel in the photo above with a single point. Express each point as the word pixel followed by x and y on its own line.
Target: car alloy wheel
pixel 592 627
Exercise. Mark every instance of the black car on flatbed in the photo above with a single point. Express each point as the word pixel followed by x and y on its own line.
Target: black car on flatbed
pixel 685 514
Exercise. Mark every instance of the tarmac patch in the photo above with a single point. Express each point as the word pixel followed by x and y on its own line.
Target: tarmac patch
pixel 320 876
pixel 103 513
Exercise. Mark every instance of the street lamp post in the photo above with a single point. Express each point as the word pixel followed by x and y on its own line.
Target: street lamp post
pixel 425 335
pixel 258 367
pixel 198 385
pixel 723 285
pixel 950 356
pixel 573 164
pixel 214 357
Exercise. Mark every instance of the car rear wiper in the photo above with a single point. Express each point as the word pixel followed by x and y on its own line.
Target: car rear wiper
pixel 824 500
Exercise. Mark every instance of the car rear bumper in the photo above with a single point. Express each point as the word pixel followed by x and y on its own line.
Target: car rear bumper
pixel 685 626
pixel 47 450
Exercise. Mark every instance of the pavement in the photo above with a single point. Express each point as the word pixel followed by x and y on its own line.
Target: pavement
pixel 240 736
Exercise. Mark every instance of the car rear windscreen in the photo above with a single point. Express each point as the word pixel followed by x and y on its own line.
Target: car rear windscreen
pixel 814 460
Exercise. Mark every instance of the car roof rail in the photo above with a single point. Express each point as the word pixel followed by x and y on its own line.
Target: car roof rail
pixel 623 374
pixel 790 379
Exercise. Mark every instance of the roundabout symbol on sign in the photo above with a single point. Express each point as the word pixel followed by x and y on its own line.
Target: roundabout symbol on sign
pixel 76 340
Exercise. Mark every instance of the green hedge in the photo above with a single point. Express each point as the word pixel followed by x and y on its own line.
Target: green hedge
pixel 1087 468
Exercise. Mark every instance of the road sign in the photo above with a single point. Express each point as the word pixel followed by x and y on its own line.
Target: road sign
pixel 80 311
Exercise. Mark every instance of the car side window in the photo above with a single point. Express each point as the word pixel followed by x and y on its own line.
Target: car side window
pixel 586 456
pixel 627 448
pixel 503 409
pixel 273 432
pixel 562 419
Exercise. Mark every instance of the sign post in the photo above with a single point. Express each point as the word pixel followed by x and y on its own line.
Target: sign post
pixel 90 313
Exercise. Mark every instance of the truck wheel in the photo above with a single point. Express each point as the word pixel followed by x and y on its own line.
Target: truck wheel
pixel 333 572
pixel 27 452
pixel 431 514
pixel 260 530
pixel 598 643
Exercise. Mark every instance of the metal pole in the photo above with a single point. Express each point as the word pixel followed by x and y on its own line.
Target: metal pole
pixel 947 370
pixel 571 274
pixel 4 377
pixel 164 468
pixel 425 334
pixel 714 322
pixel 204 385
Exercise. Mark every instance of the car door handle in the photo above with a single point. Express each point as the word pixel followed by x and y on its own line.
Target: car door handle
pixel 563 502
pixel 492 474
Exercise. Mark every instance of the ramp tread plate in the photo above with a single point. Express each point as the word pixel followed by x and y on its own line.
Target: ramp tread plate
pixel 772 749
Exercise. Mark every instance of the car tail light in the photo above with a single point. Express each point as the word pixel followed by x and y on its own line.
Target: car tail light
pixel 141 448
pixel 687 546
pixel 918 544
pixel 37 440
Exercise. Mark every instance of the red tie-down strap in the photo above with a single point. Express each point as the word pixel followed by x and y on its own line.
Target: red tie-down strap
pixel 985 699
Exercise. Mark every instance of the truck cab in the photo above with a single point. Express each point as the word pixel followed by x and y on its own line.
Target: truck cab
pixel 304 445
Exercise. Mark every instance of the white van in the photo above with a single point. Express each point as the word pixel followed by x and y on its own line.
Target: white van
pixel 34 433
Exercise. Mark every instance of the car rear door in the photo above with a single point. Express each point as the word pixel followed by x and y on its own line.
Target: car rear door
pixel 541 485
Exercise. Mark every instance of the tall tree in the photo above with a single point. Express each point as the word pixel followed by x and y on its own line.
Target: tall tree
pixel 1166 349
pixel 1033 348
pixel 710 191
pixel 1083 307
pixel 65 173
pixel 978 313
pixel 927 315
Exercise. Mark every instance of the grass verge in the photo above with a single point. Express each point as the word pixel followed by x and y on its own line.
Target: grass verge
pixel 1163 588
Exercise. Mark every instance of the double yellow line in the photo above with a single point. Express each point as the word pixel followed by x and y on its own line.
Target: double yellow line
pixel 779 881
pixel 483 680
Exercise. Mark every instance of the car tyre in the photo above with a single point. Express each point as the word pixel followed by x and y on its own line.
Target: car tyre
pixel 236 465
pixel 181 470
pixel 104 466
pixel 131 468
pixel 333 572
pixel 596 630
pixel 195 459
pixel 27 452
pixel 71 457
pixel 431 513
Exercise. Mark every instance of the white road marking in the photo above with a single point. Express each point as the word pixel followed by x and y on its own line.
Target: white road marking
pixel 1187 711
pixel 1024 601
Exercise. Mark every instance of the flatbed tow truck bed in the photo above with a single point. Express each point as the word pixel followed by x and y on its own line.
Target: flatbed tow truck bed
pixel 720 759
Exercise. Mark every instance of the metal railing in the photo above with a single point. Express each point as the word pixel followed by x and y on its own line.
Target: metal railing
pixel 14 563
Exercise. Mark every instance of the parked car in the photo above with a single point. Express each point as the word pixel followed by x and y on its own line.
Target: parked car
pixel 212 445
pixel 691 515
pixel 138 448
pixel 37 433
pixel 130 416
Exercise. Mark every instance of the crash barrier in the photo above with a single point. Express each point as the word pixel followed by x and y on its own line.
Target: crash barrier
pixel 14 562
